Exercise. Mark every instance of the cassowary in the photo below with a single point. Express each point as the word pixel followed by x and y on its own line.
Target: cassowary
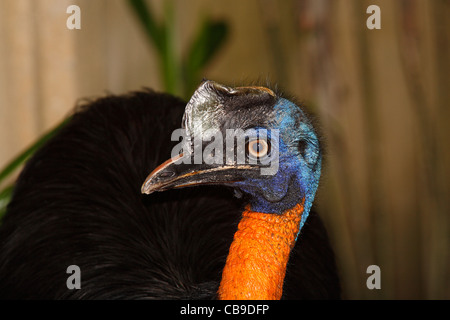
pixel 86 198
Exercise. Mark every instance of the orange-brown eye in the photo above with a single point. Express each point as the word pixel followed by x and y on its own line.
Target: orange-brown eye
pixel 258 148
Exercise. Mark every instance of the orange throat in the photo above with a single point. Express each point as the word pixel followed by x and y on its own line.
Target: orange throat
pixel 256 263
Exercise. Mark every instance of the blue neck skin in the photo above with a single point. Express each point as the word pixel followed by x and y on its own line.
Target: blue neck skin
pixel 298 174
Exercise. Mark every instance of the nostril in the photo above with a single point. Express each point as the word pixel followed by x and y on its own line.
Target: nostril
pixel 166 174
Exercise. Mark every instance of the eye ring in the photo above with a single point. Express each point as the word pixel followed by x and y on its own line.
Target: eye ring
pixel 258 148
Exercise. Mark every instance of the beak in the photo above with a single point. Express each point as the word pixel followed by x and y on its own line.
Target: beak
pixel 174 173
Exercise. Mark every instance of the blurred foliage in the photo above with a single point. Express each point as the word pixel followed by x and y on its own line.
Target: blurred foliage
pixel 179 76
pixel 11 167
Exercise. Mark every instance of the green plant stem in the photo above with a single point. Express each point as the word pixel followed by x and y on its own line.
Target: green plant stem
pixel 179 77
pixel 5 197
pixel 162 37
pixel 6 193
pixel 146 17
pixel 209 39
pixel 170 72
pixel 21 158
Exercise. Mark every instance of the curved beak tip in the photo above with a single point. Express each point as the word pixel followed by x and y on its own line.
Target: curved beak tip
pixel 150 186
pixel 145 188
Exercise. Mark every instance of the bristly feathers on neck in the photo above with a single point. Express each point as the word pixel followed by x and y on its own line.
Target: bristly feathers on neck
pixel 256 263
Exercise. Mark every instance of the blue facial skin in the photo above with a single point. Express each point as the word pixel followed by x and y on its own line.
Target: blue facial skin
pixel 298 172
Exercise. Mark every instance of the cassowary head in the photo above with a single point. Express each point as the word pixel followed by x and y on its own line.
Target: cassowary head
pixel 260 144
pixel 247 138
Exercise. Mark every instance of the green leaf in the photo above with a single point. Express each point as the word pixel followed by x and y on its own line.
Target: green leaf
pixel 5 197
pixel 179 77
pixel 171 73
pixel 163 39
pixel 21 158
pixel 209 39
pixel 145 15
pixel 5 194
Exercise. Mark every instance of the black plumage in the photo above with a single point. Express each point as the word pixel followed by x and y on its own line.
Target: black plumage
pixel 78 202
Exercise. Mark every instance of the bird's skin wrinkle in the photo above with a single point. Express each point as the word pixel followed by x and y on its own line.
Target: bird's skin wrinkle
pixel 256 263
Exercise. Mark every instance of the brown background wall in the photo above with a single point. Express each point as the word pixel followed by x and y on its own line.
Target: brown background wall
pixel 381 96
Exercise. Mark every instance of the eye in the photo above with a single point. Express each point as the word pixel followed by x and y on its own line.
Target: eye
pixel 258 148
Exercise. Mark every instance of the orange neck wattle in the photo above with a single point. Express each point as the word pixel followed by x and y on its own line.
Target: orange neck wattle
pixel 256 263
